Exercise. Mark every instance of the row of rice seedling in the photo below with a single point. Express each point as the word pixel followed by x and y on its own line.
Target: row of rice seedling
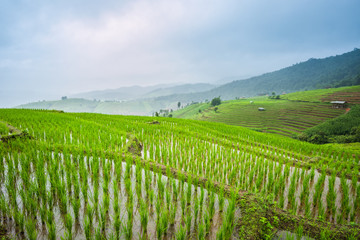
pixel 67 171
pixel 226 165
pixel 58 194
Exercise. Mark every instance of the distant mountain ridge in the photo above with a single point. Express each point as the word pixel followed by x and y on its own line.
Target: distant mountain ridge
pixel 335 71
pixel 139 92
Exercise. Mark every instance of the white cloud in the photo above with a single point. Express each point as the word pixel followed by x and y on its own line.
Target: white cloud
pixel 134 43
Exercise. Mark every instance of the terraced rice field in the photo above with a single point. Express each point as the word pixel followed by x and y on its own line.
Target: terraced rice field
pixel 281 116
pixel 350 97
pixel 93 176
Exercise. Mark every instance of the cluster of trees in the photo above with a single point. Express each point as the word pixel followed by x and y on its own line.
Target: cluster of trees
pixel 215 101
pixel 274 96
pixel 343 129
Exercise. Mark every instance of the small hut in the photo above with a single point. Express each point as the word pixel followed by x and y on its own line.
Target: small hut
pixel 338 104
pixel 261 109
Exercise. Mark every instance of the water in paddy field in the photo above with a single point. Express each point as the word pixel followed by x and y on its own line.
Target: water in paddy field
pixel 184 210
pixel 253 172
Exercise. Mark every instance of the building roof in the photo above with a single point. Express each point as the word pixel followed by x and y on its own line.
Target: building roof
pixel 338 102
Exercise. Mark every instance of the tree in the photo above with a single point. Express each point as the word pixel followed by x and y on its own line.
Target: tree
pixel 64 98
pixel 156 114
pixel 179 104
pixel 216 101
pixel 216 108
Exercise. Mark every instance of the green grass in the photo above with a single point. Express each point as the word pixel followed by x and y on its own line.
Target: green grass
pixel 340 129
pixel 318 94
pixel 281 116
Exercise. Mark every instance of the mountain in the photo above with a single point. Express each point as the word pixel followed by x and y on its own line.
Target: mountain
pixel 119 94
pixel 138 92
pixel 133 100
pixel 335 71
pixel 181 89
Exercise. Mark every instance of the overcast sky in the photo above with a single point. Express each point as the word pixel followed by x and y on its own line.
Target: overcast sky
pixel 54 48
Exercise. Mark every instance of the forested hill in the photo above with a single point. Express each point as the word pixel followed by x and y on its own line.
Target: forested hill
pixel 335 71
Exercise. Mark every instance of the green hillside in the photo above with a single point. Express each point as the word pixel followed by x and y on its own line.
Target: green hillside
pixel 335 71
pixel 349 94
pixel 289 115
pixel 159 178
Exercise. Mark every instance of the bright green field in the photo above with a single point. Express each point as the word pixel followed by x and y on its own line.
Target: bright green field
pixel 319 94
pixel 281 116
pixel 94 176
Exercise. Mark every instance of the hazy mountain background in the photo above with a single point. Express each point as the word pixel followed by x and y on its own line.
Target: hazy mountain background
pixel 140 92
pixel 334 71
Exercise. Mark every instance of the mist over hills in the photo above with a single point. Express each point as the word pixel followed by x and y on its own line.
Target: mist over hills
pixel 334 71
pixel 141 92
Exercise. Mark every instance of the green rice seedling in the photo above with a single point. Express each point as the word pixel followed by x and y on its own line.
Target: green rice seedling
pixel 68 225
pixel 175 190
pixel 158 208
pixel 106 203
pixel 128 229
pixel 164 222
pixel 51 228
pixel 161 186
pixel 63 204
pixel 117 225
pixel 96 196
pixel 325 234
pixel 331 197
pixel 201 199
pixel 188 223
pixel 180 233
pixel 207 221
pixel 357 202
pixel 291 192
pixel 30 226
pixel 201 231
pixel 345 198
pixel 172 213
pixel 43 214
pixel 90 211
pixel 312 175
pixel 144 215
pixel 76 207
pixel 98 234
pixel 168 199
pixel 211 206
pixel 196 210
pixel 151 197
pixel 321 214
pixel 300 231
pixel 183 204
